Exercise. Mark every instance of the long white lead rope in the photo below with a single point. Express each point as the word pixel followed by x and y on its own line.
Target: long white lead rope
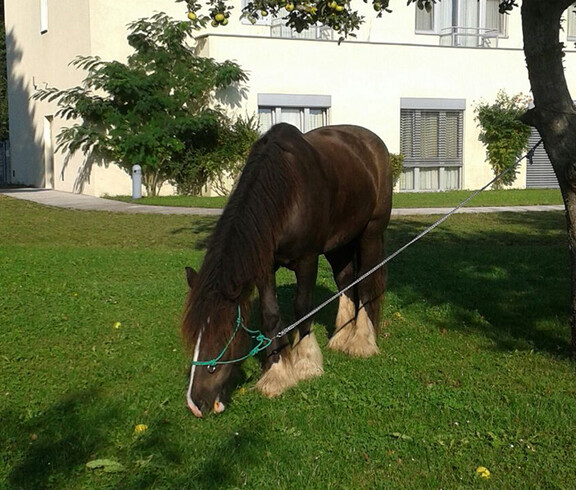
pixel 291 327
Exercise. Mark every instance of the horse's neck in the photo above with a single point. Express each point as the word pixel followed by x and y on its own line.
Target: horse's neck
pixel 243 256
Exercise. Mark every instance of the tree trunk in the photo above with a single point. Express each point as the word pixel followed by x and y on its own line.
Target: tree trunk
pixel 554 114
pixel 152 183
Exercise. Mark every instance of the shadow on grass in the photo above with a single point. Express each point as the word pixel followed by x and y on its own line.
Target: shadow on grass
pixel 221 462
pixel 51 445
pixel 199 231
pixel 510 283
pixel 220 470
pixel 508 280
pixel 286 293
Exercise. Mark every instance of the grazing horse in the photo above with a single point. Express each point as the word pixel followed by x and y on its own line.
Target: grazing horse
pixel 328 191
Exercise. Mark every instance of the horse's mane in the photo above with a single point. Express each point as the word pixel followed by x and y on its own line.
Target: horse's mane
pixel 241 249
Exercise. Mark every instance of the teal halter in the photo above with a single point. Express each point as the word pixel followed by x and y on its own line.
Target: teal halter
pixel 262 343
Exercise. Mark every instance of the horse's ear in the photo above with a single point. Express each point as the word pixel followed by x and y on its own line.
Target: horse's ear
pixel 191 276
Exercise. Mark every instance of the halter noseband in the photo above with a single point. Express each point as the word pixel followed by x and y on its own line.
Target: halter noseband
pixel 262 343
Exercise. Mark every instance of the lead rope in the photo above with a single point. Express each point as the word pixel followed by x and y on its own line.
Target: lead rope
pixel 264 342
pixel 529 155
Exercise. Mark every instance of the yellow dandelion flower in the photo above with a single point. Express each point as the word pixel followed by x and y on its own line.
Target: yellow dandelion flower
pixel 140 428
pixel 483 472
pixel 117 324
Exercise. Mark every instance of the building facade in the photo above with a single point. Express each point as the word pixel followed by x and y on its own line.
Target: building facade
pixel 413 77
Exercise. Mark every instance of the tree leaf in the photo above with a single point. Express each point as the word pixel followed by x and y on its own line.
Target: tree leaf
pixel 398 435
pixel 108 465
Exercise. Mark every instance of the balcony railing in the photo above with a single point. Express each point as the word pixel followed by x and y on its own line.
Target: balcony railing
pixel 278 28
pixel 478 37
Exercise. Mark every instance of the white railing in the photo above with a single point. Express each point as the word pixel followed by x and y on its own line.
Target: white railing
pixel 278 28
pixel 478 37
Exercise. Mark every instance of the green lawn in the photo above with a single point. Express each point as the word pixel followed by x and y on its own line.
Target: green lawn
pixel 513 197
pixel 474 369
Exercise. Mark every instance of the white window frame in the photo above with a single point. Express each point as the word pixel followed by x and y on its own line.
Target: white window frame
pixel 43 16
pixel 437 28
pixel 413 165
pixel 304 103
pixel 571 23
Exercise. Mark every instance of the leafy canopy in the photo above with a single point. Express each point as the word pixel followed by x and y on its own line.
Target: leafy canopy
pixel 339 15
pixel 154 110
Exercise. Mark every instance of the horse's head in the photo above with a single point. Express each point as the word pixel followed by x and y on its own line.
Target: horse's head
pixel 211 330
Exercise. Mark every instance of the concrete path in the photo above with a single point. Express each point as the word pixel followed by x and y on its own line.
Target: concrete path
pixel 90 203
pixel 69 200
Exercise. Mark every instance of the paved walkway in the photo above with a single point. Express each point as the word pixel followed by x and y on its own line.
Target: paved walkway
pixel 69 200
pixel 90 203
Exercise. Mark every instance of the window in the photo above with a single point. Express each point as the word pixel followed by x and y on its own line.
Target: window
pixel 43 16
pixel 431 133
pixel 278 28
pixel 472 23
pixel 306 112
pixel 571 22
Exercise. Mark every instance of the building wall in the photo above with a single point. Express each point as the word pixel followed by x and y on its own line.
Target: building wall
pixel 36 60
pixel 367 80
pixel 41 59
pixel 366 77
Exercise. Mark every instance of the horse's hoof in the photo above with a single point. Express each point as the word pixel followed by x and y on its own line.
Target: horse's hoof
pixel 307 358
pixel 307 369
pixel 362 350
pixel 341 339
pixel 277 379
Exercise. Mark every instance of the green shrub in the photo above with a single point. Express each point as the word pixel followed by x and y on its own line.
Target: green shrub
pixel 397 161
pixel 217 166
pixel 503 134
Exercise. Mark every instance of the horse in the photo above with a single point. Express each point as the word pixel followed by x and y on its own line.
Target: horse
pixel 325 192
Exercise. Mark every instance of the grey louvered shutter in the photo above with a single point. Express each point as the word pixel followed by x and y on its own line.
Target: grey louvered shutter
pixel 540 175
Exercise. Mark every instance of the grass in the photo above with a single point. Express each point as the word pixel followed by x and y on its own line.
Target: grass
pixel 512 197
pixel 217 202
pixel 474 369
pixel 509 197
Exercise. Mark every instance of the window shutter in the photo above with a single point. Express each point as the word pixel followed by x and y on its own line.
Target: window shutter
pixel 452 135
pixel 265 117
pixel 407 138
pixel 429 135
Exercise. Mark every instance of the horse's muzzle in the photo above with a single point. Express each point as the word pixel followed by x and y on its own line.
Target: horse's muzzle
pixel 219 407
pixel 195 410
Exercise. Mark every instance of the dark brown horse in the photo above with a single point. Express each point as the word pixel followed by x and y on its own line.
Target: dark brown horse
pixel 327 192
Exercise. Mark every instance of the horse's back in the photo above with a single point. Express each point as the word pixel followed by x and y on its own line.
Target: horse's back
pixel 358 160
pixel 344 183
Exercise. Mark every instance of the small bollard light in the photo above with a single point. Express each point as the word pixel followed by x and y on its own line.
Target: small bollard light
pixel 136 182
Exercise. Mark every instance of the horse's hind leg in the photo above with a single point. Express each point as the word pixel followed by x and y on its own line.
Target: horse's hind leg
pixel 343 267
pixel 306 355
pixel 357 320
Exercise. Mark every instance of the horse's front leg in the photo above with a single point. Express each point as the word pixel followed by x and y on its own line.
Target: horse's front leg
pixel 277 372
pixel 306 354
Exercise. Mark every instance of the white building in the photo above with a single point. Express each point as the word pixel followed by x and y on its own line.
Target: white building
pixel 412 77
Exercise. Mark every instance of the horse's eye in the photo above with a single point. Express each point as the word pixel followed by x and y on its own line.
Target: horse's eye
pixel 211 369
